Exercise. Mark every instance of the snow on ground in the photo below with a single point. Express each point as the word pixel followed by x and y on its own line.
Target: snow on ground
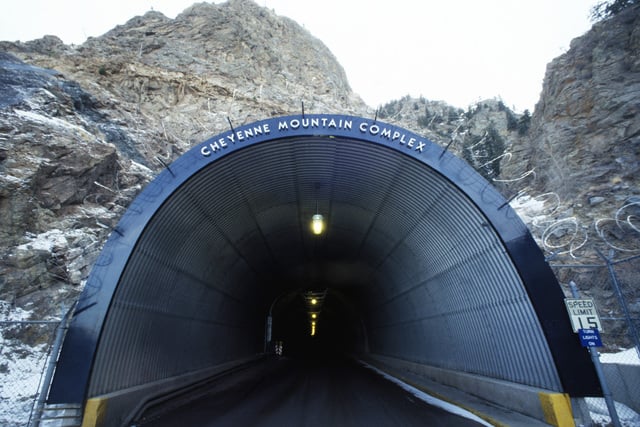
pixel 21 367
pixel 600 413
pixel 430 399
pixel 528 208
pixel 48 240
pixel 624 357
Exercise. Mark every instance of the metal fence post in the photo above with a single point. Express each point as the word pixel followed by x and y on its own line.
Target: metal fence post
pixel 595 358
pixel 51 366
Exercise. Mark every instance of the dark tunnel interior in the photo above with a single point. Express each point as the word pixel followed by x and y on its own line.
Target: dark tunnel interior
pixel 326 330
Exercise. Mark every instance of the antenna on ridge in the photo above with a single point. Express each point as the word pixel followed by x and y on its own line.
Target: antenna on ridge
pixel 230 125
pixel 446 148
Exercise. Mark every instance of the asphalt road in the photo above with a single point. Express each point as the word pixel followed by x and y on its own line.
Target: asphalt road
pixel 288 392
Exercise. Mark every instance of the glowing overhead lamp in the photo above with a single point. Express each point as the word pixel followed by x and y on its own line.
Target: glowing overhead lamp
pixel 314 301
pixel 317 224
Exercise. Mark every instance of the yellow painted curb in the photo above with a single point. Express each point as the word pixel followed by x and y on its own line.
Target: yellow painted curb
pixel 93 412
pixel 557 409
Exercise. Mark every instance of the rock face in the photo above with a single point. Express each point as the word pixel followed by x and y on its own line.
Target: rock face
pixel 59 183
pixel 84 128
pixel 587 123
pixel 584 141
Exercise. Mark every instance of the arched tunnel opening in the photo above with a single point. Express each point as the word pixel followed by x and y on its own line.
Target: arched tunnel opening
pixel 421 262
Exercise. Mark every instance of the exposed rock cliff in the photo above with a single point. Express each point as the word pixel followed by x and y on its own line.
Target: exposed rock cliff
pixel 83 128
pixel 584 141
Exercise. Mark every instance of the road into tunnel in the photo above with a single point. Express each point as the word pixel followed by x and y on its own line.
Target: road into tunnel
pixel 421 261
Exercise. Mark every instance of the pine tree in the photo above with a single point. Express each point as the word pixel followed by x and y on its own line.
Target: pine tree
pixel 607 9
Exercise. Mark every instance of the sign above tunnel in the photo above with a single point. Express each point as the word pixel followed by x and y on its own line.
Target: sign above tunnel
pixel 290 126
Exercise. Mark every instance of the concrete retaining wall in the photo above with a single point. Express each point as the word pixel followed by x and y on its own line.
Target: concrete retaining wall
pixel 543 405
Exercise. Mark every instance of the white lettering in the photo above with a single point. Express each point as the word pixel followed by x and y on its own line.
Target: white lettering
pixel 214 146
pixel 294 124
pixel 395 135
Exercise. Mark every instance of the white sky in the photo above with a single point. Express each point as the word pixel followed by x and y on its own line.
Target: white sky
pixel 458 51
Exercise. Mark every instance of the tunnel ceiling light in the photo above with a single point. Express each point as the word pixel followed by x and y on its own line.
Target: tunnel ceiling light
pixel 314 301
pixel 317 224
pixel 314 315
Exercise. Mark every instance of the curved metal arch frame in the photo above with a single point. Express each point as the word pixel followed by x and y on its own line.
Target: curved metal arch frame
pixel 75 363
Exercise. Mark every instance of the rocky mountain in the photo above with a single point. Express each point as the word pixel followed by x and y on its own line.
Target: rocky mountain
pixel 583 147
pixel 84 128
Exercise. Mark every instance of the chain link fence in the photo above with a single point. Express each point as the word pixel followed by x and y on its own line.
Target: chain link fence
pixel 614 286
pixel 25 346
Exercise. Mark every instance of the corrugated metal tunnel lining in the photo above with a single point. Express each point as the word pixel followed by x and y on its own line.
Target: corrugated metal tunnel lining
pixel 428 269
pixel 416 268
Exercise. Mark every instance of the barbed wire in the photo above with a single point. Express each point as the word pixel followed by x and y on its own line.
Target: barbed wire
pixel 569 235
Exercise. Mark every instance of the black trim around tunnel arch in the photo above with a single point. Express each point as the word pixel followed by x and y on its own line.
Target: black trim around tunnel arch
pixel 75 363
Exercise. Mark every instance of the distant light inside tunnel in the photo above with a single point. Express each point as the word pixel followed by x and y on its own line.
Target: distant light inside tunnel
pixel 314 315
pixel 317 224
pixel 314 301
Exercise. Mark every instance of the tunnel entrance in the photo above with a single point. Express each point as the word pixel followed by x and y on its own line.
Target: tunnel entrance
pixel 422 260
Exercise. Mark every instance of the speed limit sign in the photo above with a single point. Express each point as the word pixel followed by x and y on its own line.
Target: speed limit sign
pixel 583 314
